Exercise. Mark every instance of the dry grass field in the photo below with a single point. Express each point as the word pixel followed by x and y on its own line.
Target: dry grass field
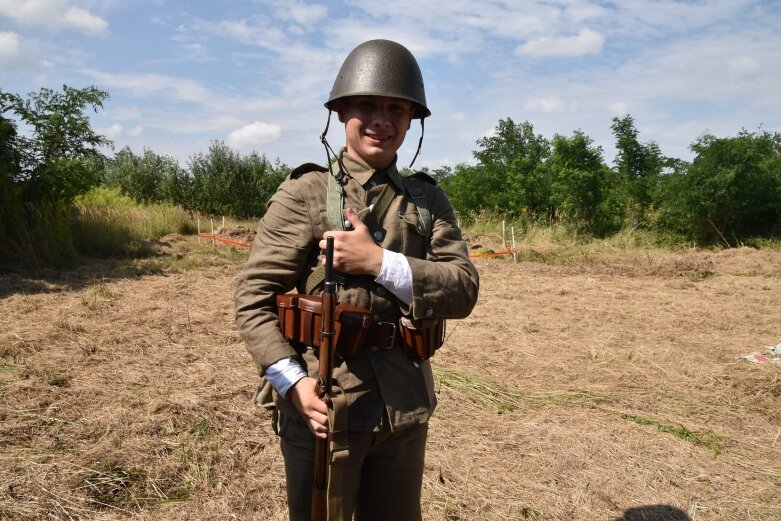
pixel 596 385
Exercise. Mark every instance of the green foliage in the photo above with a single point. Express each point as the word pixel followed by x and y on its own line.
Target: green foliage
pixel 148 178
pixel 9 193
pixel 512 169
pixel 638 165
pixel 41 235
pixel 730 194
pixel 107 223
pixel 582 185
pixel 227 183
pixel 511 175
pixel 43 169
pixel 58 160
pixel 464 190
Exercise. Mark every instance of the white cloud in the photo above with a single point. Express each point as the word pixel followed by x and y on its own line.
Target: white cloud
pixel 744 65
pixel 586 42
pixel 618 108
pixel 116 131
pixel 53 14
pixel 257 133
pixel 81 19
pixel 546 104
pixel 301 12
pixel 146 85
pixel 111 132
pixel 454 59
pixel 9 47
pixel 459 21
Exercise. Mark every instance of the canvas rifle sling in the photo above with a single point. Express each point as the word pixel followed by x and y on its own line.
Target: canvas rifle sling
pixel 334 208
pixel 339 452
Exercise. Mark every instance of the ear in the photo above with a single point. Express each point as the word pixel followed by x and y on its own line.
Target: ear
pixel 338 107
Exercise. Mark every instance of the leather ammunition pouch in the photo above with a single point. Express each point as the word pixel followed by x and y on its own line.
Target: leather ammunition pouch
pixel 422 338
pixel 300 320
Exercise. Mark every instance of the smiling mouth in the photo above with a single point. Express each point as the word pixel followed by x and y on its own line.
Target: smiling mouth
pixel 379 139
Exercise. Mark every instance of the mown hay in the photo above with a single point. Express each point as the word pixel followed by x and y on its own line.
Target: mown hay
pixel 590 386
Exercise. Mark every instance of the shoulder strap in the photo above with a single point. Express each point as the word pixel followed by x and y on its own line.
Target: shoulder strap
pixel 335 200
pixel 414 186
pixel 334 206
pixel 306 167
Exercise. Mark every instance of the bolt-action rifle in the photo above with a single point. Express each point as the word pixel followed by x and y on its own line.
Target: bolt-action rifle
pixel 325 386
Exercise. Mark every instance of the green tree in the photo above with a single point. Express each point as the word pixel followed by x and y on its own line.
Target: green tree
pixel 225 182
pixel 147 178
pixel 58 160
pixel 732 190
pixel 512 170
pixel 639 166
pixel 581 184
pixel 463 188
pixel 9 170
pixel 44 168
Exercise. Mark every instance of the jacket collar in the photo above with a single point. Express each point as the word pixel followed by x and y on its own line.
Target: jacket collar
pixel 361 172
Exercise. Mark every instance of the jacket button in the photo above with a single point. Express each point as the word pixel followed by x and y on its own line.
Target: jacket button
pixel 429 312
pixel 378 235
pixel 381 291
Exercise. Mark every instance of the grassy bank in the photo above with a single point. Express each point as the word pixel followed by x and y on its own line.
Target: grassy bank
pixel 109 224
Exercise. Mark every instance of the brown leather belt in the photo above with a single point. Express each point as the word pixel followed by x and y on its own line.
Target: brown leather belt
pixel 300 321
pixel 382 335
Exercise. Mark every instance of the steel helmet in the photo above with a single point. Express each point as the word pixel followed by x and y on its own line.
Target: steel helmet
pixel 381 68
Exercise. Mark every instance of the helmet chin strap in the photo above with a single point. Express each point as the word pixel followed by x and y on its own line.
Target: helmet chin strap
pixel 420 144
pixel 329 152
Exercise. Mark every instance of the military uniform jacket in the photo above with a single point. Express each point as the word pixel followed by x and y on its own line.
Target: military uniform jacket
pixel 379 383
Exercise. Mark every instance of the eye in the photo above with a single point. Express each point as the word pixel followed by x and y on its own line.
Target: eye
pixel 365 105
pixel 398 108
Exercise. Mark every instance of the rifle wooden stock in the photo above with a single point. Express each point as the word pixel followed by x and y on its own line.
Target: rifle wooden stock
pixel 325 386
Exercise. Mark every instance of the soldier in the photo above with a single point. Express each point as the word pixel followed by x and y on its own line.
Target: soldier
pixel 406 260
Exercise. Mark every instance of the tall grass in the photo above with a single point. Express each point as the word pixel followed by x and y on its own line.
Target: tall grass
pixel 107 223
pixel 558 236
pixel 36 235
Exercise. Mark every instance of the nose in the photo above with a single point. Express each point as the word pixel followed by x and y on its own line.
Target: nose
pixel 381 115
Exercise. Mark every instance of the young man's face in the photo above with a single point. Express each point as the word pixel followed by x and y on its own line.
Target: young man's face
pixel 375 127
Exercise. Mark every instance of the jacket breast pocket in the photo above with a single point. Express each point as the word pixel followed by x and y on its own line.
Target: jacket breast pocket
pixel 413 235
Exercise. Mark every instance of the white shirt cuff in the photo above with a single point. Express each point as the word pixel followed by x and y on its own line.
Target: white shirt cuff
pixel 284 374
pixel 396 275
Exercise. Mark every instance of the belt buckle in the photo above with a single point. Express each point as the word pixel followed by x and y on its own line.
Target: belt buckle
pixel 392 341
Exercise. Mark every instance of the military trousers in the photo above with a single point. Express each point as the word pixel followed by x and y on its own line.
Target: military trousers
pixel 382 479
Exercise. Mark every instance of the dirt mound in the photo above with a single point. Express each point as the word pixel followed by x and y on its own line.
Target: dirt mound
pixel 238 233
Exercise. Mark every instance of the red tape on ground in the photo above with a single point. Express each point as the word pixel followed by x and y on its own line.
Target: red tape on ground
pixel 223 239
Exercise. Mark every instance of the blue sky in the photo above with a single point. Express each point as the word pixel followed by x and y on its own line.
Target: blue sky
pixel 256 73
